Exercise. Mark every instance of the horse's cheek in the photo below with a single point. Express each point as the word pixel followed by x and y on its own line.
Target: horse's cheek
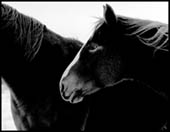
pixel 103 73
pixel 108 70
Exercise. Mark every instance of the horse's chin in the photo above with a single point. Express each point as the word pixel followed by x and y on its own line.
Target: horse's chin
pixel 76 97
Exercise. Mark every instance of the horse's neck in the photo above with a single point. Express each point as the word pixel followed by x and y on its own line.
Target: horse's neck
pixel 149 65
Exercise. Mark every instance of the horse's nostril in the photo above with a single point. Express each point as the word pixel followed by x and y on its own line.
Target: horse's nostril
pixel 63 91
pixel 65 95
pixel 62 87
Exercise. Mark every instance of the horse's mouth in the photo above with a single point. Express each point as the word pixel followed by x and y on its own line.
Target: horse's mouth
pixel 75 96
pixel 78 95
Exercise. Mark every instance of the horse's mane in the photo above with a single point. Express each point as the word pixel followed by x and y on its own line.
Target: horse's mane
pixel 150 33
pixel 26 31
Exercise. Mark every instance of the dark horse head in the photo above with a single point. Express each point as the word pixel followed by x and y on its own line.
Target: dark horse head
pixel 121 48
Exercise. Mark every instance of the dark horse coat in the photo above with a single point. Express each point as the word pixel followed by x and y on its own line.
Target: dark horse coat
pixel 139 102
pixel 125 63
pixel 33 59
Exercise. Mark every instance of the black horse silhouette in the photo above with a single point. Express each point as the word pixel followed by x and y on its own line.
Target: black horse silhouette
pixel 126 61
pixel 33 59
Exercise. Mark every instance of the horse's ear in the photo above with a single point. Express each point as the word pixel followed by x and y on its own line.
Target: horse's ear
pixel 109 15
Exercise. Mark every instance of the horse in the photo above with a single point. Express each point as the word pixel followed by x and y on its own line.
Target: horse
pixel 127 58
pixel 33 59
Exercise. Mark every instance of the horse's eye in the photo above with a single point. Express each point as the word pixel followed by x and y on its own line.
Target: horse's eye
pixel 94 47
